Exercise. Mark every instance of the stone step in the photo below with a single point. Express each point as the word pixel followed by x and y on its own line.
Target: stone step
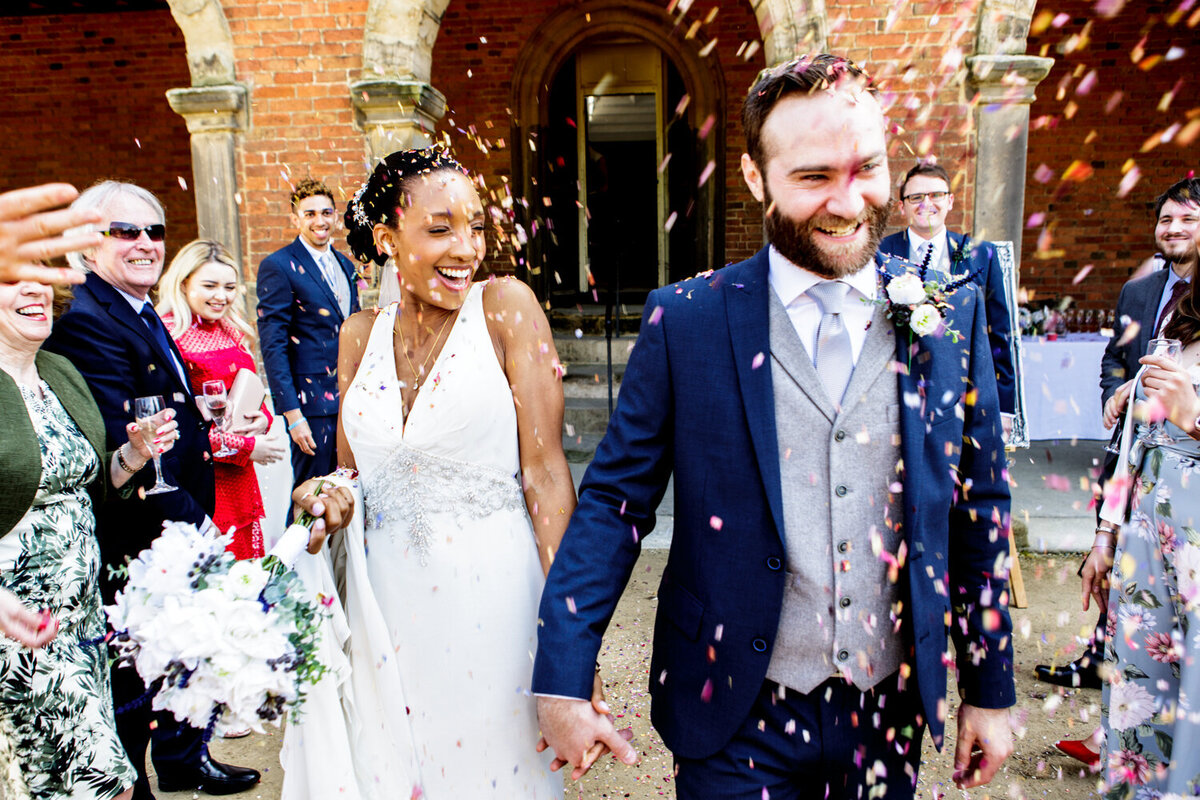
pixel 581 447
pixel 590 319
pixel 592 349
pixel 587 386
pixel 585 415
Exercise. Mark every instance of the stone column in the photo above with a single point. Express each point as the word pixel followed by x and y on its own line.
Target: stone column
pixel 395 114
pixel 214 116
pixel 1005 86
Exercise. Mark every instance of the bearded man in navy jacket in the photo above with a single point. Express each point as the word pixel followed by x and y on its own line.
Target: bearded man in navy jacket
pixel 840 498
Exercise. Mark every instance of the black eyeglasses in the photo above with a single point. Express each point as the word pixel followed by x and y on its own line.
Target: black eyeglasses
pixel 130 232
pixel 917 198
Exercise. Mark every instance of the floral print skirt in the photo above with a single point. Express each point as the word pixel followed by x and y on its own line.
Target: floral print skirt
pixel 1151 704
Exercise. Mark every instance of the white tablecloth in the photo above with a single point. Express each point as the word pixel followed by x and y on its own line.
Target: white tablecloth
pixel 1062 387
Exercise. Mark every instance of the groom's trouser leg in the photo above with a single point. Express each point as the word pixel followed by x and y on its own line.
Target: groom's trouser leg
pixel 834 742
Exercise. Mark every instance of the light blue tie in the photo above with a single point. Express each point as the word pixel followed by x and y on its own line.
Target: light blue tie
pixel 834 358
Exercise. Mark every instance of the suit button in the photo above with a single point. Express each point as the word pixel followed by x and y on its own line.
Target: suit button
pixel 839 436
pixel 843 655
pixel 759 645
pixel 841 490
pixel 843 547
pixel 773 562
pixel 844 602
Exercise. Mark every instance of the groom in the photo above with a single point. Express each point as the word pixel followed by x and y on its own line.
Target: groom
pixel 840 498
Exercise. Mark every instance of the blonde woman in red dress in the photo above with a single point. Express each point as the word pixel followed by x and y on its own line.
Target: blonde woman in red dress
pixel 200 302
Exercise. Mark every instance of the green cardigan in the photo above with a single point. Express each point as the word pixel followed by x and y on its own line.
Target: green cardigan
pixel 20 454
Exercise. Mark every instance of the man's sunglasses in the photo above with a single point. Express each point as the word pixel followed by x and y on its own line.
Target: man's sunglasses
pixel 130 232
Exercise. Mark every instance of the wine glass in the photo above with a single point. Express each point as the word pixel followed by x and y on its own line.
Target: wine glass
pixel 148 412
pixel 217 402
pixel 1157 431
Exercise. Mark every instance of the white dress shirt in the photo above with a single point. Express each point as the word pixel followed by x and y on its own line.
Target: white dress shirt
pixel 941 249
pixel 333 274
pixel 791 284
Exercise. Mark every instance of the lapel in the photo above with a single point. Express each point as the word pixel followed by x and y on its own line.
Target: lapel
pixel 794 359
pixel 312 272
pixel 878 353
pixel 1149 314
pixel 119 309
pixel 350 270
pixel 747 310
pixel 896 244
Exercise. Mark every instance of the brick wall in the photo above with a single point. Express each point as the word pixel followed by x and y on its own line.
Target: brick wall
pixel 1101 111
pixel 84 100
pixel 298 60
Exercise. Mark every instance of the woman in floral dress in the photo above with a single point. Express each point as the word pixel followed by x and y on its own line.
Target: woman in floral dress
pixel 1151 705
pixel 199 299
pixel 58 738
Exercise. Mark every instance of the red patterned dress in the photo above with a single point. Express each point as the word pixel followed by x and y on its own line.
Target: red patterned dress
pixel 214 351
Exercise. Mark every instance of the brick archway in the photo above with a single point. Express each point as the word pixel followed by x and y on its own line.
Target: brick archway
pixel 209 41
pixel 791 27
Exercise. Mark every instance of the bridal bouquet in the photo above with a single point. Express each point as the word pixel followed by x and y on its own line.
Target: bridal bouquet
pixel 224 641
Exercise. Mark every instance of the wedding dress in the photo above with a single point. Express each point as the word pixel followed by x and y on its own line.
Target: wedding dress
pixel 441 593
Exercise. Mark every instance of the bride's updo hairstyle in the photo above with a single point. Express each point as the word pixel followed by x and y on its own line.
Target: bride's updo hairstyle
pixel 383 197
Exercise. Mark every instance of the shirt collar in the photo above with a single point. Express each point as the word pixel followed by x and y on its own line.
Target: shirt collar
pixel 790 281
pixel 939 240
pixel 137 303
pixel 1173 277
pixel 316 254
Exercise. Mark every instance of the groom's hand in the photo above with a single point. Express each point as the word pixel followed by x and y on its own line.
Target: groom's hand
pixel 579 734
pixel 984 741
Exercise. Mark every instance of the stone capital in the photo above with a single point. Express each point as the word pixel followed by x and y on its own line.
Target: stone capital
pixel 211 109
pixel 396 115
pixel 1007 79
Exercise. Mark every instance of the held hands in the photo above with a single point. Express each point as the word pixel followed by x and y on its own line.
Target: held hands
pixel 333 507
pixel 1170 384
pixel 984 742
pixel 31 628
pixel 1095 577
pixel 1116 404
pixel 581 732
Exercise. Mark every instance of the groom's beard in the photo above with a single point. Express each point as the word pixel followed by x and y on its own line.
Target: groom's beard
pixel 795 240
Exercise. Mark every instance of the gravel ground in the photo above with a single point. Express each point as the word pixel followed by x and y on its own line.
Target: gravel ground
pixel 1045 631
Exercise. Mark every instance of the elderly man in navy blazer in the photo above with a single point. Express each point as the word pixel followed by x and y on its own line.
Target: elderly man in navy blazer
pixel 841 506
pixel 926 199
pixel 118 343
pixel 305 292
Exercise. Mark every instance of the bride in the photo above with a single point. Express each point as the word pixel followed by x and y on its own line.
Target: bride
pixel 451 414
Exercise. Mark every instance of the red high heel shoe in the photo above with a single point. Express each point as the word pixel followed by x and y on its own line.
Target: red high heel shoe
pixel 1077 750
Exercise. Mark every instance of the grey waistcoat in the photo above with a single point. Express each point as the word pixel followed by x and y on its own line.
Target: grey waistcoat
pixel 840 608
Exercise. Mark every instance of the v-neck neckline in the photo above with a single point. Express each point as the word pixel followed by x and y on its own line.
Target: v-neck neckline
pixel 406 416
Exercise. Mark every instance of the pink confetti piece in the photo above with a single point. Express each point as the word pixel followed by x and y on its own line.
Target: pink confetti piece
pixel 758 361
pixel 715 522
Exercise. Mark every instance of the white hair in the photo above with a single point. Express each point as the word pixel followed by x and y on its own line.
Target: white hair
pixel 98 196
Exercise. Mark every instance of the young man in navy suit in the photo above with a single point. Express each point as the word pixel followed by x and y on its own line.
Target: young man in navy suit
pixel 926 200
pixel 840 498
pixel 305 292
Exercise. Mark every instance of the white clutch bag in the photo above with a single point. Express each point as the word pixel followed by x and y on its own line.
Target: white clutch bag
pixel 246 396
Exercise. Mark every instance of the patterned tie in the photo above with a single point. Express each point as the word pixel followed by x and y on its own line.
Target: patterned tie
pixel 336 280
pixel 834 359
pixel 1177 292
pixel 923 253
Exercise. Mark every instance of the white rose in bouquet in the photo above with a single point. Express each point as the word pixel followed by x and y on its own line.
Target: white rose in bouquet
pixel 245 580
pixel 925 319
pixel 906 289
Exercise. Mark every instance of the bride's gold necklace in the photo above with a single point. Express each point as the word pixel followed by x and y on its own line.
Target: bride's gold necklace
pixel 419 375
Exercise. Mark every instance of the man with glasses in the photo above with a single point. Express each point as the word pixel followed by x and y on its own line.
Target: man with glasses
pixel 926 200
pixel 305 292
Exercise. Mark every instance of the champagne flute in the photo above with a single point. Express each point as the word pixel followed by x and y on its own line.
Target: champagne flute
pixel 148 412
pixel 217 402
pixel 1171 348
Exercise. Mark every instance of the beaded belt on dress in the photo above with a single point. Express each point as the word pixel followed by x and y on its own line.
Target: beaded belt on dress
pixel 410 484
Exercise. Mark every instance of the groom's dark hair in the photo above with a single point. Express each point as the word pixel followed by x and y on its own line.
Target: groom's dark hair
pixel 807 74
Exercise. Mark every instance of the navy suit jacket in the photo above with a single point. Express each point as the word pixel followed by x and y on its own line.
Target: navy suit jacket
pixel 697 400
pixel 984 265
pixel 120 359
pixel 1138 303
pixel 298 325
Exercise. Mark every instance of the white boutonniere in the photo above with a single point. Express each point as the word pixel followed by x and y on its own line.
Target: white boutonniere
pixel 917 302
